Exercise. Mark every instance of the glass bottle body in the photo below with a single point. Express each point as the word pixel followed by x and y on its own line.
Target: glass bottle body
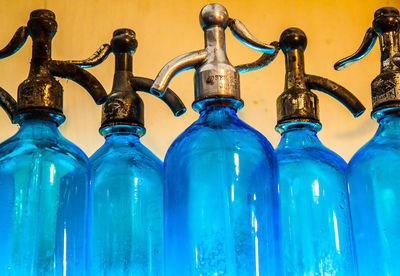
pixel 316 222
pixel 374 186
pixel 44 181
pixel 127 216
pixel 221 213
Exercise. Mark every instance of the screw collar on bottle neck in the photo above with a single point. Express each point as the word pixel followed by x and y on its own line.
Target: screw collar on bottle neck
pixel 215 77
pixel 41 93
pixel 385 87
pixel 124 106
pixel 297 103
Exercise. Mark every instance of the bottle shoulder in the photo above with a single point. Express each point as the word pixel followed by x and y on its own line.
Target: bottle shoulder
pixel 229 134
pixel 125 166
pixel 378 150
pixel 56 147
pixel 316 155
pixel 131 155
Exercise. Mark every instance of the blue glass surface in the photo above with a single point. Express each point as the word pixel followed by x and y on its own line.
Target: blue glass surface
pixel 316 222
pixel 221 207
pixel 374 184
pixel 44 182
pixel 127 211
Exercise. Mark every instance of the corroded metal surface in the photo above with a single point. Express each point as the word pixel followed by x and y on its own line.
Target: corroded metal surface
pixel 261 62
pixel 124 106
pixel 297 103
pixel 41 93
pixel 98 57
pixel 385 87
pixel 8 103
pixel 215 76
pixel 17 41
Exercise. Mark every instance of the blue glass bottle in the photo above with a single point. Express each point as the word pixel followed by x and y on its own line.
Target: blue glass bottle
pixel 221 211
pixel 316 221
pixel 127 226
pixel 221 207
pixel 44 192
pixel 126 233
pixel 44 178
pixel 374 185
pixel 316 224
pixel 372 175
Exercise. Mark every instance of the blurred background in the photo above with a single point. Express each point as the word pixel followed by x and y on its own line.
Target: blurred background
pixel 166 29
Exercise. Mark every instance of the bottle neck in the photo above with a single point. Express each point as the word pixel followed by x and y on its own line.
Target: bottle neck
pixel 389 125
pixel 217 113
pixel 384 112
pixel 211 104
pixel 38 128
pixel 122 131
pixel 299 134
pixel 43 115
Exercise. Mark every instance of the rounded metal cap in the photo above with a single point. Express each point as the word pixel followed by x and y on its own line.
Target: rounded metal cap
pixel 386 20
pixel 42 23
pixel 214 15
pixel 124 41
pixel 293 38
pixel 42 14
pixel 386 11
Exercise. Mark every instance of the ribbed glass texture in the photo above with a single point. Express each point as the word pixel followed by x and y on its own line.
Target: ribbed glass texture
pixel 127 212
pixel 374 184
pixel 44 181
pixel 221 206
pixel 316 222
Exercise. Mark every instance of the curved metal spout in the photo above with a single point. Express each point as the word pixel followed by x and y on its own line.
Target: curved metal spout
pixel 16 42
pixel 169 97
pixel 239 31
pixel 181 63
pixel 8 103
pixel 264 60
pixel 338 92
pixel 98 57
pixel 83 78
pixel 366 46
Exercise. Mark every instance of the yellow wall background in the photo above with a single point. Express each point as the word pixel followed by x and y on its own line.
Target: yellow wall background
pixel 166 29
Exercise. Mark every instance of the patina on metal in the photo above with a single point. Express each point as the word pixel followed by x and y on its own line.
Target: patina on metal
pixel 124 106
pixel 8 103
pixel 261 62
pixel 297 103
pixel 41 94
pixel 215 76
pixel 385 87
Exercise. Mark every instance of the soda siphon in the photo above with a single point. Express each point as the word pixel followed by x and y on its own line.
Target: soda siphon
pixel 372 177
pixel 44 178
pixel 221 211
pixel 316 221
pixel 126 235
